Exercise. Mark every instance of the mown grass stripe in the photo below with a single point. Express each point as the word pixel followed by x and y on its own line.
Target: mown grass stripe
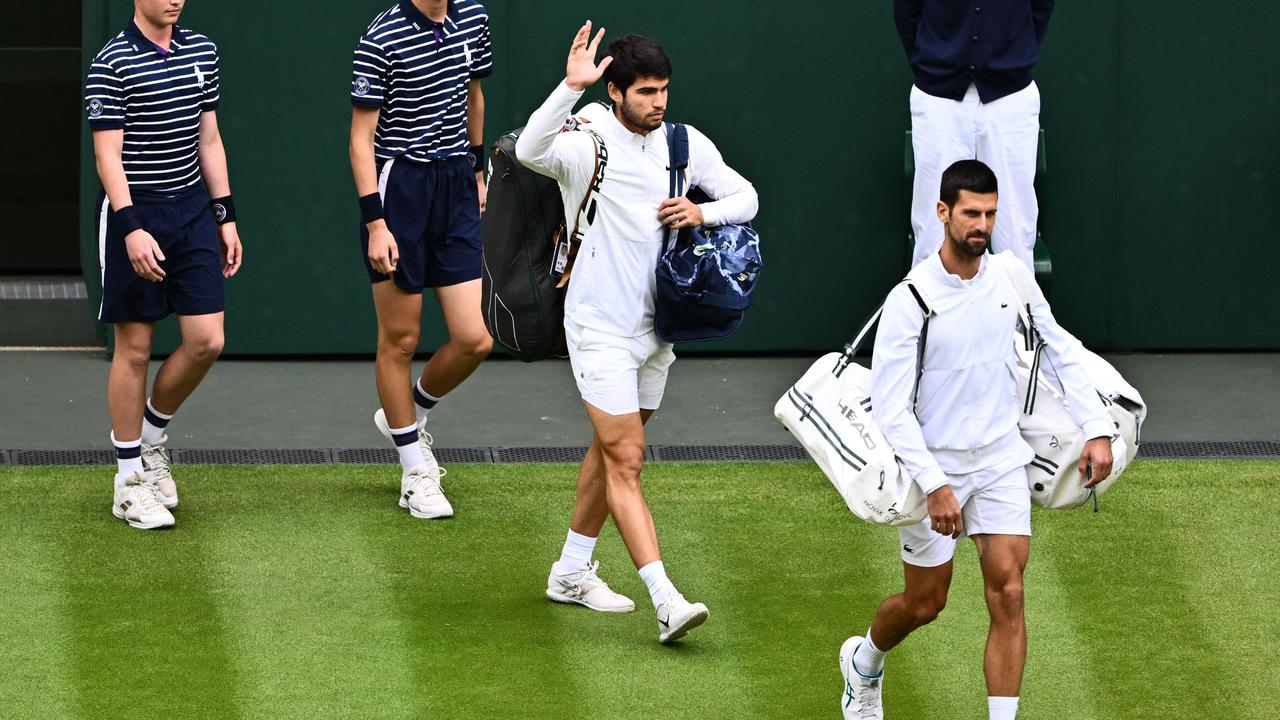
pixel 468 592
pixel 317 631
pixel 1135 601
pixel 817 581
pixel 35 677
pixel 145 623
pixel 1160 606
pixel 1060 681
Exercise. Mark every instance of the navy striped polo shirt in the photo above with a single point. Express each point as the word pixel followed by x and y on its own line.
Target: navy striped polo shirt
pixel 416 70
pixel 156 96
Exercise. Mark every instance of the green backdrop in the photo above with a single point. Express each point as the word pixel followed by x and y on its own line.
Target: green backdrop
pixel 1160 119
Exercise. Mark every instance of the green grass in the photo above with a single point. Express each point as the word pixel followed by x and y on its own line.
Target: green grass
pixel 304 592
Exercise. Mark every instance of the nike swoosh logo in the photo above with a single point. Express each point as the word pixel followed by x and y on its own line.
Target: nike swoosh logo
pixel 1004 305
pixel 665 623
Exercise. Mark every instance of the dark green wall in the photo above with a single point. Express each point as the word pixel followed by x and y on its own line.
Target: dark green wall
pixel 39 158
pixel 1160 119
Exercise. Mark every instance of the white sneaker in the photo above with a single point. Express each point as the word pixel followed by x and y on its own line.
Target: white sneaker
pixel 586 588
pixel 135 502
pixel 420 492
pixel 861 697
pixel 424 437
pixel 156 463
pixel 677 616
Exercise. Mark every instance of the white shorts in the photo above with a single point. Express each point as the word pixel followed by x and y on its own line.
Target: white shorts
pixel 994 502
pixel 619 375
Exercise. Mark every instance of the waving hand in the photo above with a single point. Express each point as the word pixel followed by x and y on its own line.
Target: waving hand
pixel 581 69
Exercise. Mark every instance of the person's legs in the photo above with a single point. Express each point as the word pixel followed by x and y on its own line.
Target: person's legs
pixel 923 597
pixel 134 497
pixel 181 373
pixel 942 132
pixel 1004 560
pixel 998 518
pixel 927 568
pixel 1008 139
pixel 591 507
pixel 573 577
pixel 862 658
pixel 178 377
pixel 399 315
pixel 127 379
pixel 399 326
pixel 468 342
pixel 454 259
pixel 621 440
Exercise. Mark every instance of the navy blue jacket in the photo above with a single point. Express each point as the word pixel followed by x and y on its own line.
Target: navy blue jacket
pixel 992 44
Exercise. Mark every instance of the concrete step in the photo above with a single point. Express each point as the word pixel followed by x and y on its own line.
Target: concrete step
pixel 46 311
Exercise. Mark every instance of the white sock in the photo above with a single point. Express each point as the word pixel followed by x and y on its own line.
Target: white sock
pixel 128 458
pixel 868 660
pixel 1002 708
pixel 423 401
pixel 576 554
pixel 655 578
pixel 406 439
pixel 153 424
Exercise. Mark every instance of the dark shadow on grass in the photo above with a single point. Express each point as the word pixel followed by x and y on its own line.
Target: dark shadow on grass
pixel 145 633
pixel 471 594
pixel 795 574
pixel 1149 653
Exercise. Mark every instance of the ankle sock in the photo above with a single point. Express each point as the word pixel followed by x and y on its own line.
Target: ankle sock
pixel 153 424
pixel 423 401
pixel 868 660
pixel 406 440
pixel 655 578
pixel 576 554
pixel 1002 708
pixel 128 458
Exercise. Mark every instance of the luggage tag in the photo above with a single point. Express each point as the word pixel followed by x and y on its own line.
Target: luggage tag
pixel 560 257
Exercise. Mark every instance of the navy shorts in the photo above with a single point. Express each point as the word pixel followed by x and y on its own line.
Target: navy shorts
pixel 433 211
pixel 187 233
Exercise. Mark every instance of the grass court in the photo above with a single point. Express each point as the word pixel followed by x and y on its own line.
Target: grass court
pixel 305 592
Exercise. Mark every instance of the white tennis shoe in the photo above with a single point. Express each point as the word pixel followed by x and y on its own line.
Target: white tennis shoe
pixel 420 492
pixel 585 588
pixel 135 502
pixel 677 616
pixel 861 697
pixel 155 461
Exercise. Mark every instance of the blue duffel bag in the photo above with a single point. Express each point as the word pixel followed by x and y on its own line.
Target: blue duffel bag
pixel 706 279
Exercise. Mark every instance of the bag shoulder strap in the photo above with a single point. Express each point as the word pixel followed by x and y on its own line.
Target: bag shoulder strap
pixel 587 208
pixel 678 156
pixel 677 163
pixel 926 312
pixel 564 249
pixel 1011 268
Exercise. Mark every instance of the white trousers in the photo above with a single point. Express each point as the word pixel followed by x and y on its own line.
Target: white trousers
pixel 1003 134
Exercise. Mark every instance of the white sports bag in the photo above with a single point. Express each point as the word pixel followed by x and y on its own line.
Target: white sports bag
pixel 1046 424
pixel 829 412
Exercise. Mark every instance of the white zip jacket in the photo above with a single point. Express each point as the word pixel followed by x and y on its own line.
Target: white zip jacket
pixel 966 418
pixel 613 283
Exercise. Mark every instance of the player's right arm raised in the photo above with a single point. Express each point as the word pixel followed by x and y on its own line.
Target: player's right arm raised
pixel 383 252
pixel 542 147
pixel 581 70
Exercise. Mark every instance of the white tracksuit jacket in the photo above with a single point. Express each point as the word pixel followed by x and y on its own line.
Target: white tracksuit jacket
pixel 967 415
pixel 613 280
